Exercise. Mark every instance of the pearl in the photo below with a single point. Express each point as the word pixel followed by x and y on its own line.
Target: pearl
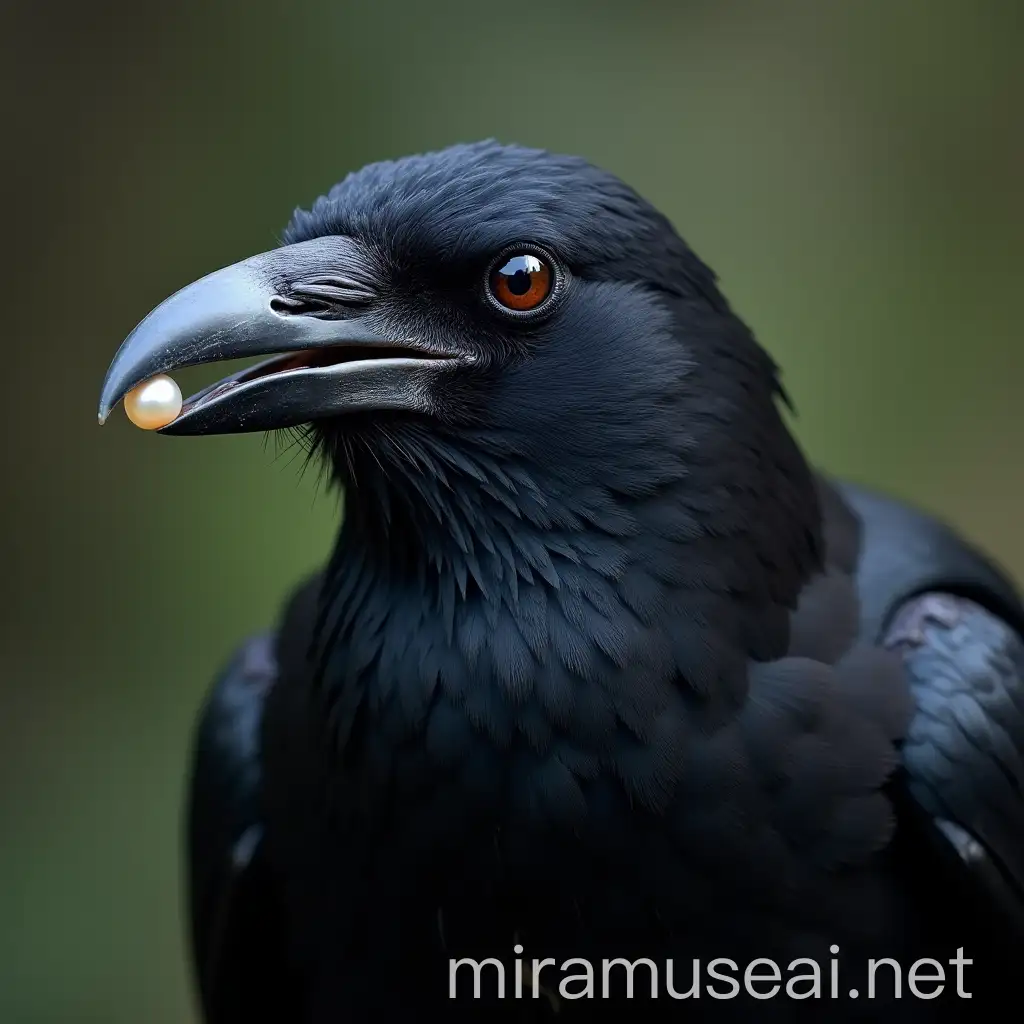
pixel 154 403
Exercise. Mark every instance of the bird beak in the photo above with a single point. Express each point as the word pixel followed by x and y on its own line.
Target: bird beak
pixel 311 304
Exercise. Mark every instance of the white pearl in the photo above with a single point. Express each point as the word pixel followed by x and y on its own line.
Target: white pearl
pixel 154 403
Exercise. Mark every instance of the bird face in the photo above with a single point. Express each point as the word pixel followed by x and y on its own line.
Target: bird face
pixel 489 295
pixel 504 355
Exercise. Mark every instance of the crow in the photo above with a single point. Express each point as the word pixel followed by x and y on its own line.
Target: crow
pixel 604 697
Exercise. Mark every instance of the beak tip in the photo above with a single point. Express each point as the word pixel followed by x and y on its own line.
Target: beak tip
pixel 109 397
pixel 104 412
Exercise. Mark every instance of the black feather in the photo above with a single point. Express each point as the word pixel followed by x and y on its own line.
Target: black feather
pixel 595 663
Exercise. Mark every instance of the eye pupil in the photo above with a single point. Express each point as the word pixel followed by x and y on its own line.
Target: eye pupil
pixel 519 282
pixel 522 282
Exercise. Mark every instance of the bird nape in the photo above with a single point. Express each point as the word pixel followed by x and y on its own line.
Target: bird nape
pixel 601 680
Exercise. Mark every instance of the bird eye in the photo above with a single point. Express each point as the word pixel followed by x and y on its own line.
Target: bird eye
pixel 521 281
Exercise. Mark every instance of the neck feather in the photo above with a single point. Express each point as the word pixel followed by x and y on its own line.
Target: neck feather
pixel 566 615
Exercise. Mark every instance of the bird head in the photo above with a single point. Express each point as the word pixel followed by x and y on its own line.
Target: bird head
pixel 519 323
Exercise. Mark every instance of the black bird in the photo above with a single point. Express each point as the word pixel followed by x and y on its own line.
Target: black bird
pixel 599 666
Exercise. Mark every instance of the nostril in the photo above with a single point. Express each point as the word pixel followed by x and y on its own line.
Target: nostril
pixel 285 305
pixel 323 297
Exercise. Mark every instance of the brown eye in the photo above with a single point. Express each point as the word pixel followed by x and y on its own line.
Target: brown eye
pixel 521 282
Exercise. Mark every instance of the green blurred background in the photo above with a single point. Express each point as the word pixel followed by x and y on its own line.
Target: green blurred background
pixel 853 171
